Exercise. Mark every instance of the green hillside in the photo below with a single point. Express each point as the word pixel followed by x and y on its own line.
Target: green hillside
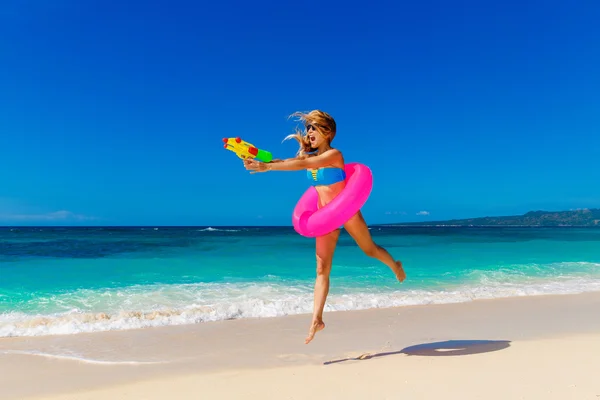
pixel 584 217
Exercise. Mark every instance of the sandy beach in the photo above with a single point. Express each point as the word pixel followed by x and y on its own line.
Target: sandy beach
pixel 539 347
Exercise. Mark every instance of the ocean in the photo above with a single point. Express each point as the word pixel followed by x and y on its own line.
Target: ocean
pixel 68 280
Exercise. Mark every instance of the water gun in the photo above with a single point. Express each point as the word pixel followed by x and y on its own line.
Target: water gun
pixel 246 150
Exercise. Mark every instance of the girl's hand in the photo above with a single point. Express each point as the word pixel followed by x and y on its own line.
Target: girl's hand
pixel 255 166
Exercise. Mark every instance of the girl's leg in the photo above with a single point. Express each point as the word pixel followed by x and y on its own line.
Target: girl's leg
pixel 357 228
pixel 325 248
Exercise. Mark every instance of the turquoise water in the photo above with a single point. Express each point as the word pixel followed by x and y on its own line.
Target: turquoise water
pixel 69 280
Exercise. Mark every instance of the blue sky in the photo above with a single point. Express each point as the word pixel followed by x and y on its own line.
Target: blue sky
pixel 113 114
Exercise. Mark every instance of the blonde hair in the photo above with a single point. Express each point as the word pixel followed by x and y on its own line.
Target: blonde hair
pixel 324 123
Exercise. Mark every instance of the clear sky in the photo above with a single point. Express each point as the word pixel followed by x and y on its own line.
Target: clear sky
pixel 113 113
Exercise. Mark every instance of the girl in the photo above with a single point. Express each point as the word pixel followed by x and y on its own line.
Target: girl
pixel 325 167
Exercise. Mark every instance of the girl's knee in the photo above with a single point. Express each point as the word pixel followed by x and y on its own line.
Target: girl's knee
pixel 323 267
pixel 371 250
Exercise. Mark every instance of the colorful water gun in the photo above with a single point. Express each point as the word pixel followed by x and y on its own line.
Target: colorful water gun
pixel 246 150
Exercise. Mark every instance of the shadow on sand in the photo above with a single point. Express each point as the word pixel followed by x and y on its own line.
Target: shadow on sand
pixel 439 349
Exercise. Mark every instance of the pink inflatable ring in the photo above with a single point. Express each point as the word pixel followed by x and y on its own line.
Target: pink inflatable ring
pixel 310 221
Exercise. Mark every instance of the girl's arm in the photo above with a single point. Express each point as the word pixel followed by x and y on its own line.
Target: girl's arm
pixel 295 164
pixel 301 157
pixel 277 160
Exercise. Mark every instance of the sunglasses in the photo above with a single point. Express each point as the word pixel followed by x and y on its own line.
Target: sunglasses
pixel 310 127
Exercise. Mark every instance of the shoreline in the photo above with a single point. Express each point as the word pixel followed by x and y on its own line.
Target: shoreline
pixel 91 322
pixel 114 360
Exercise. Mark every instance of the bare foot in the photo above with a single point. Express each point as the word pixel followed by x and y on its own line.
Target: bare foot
pixel 399 271
pixel 315 327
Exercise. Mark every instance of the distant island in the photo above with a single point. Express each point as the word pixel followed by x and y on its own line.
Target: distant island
pixel 583 217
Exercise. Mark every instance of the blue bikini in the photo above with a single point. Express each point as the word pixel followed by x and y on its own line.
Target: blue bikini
pixel 325 176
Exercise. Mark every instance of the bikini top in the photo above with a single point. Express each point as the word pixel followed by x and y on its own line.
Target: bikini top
pixel 325 176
